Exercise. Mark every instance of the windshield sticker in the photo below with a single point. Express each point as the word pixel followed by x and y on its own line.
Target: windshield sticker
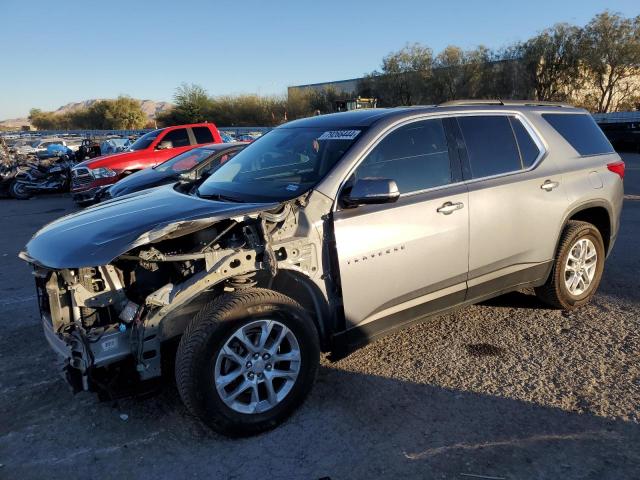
pixel 292 188
pixel 339 135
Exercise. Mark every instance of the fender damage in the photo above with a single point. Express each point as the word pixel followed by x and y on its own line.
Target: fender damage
pixel 116 281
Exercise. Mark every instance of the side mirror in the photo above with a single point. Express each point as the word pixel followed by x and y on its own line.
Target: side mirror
pixel 370 191
pixel 164 145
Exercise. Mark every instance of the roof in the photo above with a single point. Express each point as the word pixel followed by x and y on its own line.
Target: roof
pixel 354 118
pixel 368 116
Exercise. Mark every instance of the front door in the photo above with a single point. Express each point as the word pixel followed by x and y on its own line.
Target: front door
pixel 402 260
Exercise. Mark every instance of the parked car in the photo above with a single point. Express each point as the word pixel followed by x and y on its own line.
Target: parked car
pixel 55 151
pixel 188 165
pixel 227 138
pixel 16 143
pixel 94 175
pixel 324 234
pixel 114 145
pixel 245 137
pixel 39 145
pixel 624 136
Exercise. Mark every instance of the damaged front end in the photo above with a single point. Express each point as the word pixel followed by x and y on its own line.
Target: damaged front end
pixel 111 323
pixel 85 316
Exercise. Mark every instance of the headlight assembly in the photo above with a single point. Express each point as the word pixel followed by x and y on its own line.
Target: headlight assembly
pixel 103 172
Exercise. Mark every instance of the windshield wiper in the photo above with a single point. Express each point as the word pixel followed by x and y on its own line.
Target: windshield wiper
pixel 220 197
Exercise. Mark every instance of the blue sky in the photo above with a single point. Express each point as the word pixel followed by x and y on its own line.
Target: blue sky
pixel 53 53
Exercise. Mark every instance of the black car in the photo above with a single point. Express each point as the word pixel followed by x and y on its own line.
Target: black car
pixel 191 164
pixel 624 136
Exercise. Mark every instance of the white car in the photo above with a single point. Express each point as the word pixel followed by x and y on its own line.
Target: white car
pixel 40 145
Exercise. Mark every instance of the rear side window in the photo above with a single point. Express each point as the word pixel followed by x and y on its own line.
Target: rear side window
pixel 581 131
pixel 203 135
pixel 416 156
pixel 529 151
pixel 491 145
pixel 178 138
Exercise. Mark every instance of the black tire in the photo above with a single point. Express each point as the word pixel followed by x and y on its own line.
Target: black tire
pixel 555 292
pixel 17 191
pixel 207 334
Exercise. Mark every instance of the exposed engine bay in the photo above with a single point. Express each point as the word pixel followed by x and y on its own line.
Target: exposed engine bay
pixel 112 320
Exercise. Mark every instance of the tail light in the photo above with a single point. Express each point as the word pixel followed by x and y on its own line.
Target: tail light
pixel 617 167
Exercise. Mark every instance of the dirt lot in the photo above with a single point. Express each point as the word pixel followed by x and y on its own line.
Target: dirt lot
pixel 506 389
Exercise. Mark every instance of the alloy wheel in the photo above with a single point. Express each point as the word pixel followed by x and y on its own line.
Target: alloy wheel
pixel 580 267
pixel 257 367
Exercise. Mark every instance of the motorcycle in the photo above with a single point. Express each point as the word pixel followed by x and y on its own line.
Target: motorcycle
pixel 8 172
pixel 38 178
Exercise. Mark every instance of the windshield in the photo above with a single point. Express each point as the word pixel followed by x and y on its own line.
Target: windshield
pixel 281 165
pixel 185 161
pixel 145 140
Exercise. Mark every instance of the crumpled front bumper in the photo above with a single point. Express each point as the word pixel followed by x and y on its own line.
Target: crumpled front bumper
pixel 88 196
pixel 80 355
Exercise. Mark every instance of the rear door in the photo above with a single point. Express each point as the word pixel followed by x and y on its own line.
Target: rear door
pixel 202 135
pixel 516 202
pixel 402 260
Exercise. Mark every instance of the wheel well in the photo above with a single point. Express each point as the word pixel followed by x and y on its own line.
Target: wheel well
pixel 599 217
pixel 306 293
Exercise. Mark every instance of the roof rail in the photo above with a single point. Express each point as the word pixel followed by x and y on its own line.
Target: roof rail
pixel 522 103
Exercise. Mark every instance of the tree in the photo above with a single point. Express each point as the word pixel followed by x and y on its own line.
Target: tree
pixel 611 58
pixel 404 76
pixel 551 60
pixel 124 113
pixel 192 104
pixel 459 74
pixel 448 75
pixel 43 120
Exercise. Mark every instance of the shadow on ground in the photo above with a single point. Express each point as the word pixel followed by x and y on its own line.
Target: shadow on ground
pixel 352 426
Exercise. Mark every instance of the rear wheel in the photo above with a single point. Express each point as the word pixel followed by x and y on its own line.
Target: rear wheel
pixel 19 191
pixel 577 268
pixel 247 360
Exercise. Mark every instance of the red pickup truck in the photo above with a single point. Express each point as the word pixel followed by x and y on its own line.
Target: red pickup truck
pixel 90 177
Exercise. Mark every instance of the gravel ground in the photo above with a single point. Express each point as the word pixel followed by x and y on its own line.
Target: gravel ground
pixel 506 389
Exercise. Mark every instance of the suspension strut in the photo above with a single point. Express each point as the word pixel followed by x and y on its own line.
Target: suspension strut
pixel 240 282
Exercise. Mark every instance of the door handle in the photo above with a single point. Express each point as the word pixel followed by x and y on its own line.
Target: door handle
pixel 548 185
pixel 448 208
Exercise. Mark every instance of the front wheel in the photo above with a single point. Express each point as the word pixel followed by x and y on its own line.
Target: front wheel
pixel 247 360
pixel 577 268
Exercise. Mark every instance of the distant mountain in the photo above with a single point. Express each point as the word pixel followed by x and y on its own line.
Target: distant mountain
pixel 149 107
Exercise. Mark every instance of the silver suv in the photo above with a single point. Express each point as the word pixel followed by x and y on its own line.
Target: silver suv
pixel 320 236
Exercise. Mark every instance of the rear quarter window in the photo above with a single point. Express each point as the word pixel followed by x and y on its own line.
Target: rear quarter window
pixel 580 131
pixel 529 151
pixel 203 135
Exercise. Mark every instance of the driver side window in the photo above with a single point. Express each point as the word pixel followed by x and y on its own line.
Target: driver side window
pixel 416 156
pixel 178 138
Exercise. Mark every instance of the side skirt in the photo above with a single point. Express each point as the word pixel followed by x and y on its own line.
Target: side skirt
pixel 350 340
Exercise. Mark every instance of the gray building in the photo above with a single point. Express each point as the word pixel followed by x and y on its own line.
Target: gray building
pixel 349 86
